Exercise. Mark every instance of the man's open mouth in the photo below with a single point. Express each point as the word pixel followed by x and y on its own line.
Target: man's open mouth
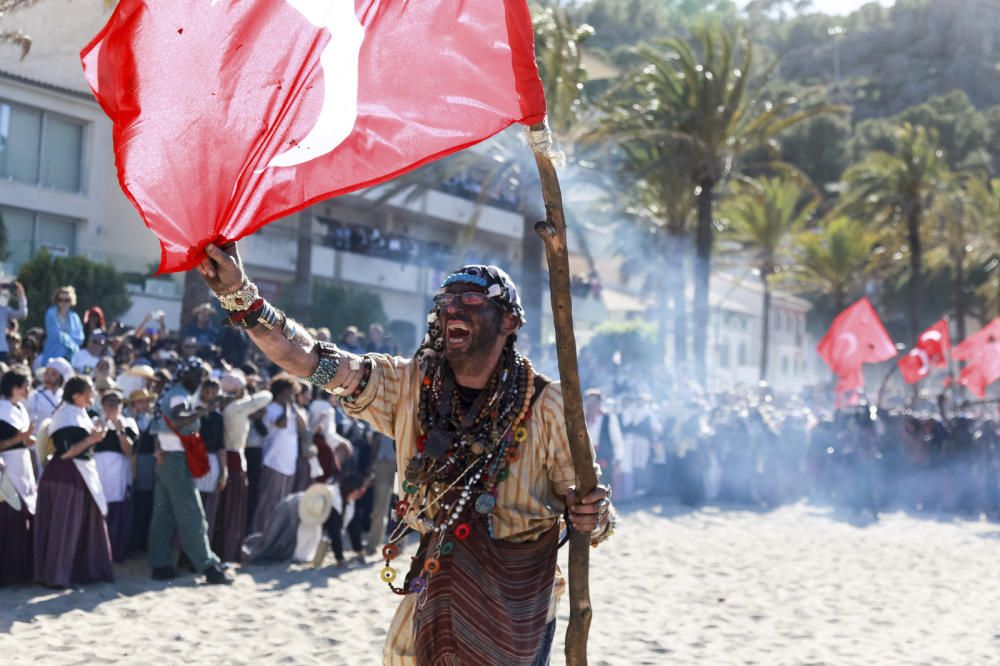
pixel 457 333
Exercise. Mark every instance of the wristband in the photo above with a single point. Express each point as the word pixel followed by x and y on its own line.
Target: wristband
pixel 329 363
pixel 241 298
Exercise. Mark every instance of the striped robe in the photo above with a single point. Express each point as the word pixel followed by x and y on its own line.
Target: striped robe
pixel 530 500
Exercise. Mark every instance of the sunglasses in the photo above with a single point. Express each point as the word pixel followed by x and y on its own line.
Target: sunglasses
pixel 64 299
pixel 470 299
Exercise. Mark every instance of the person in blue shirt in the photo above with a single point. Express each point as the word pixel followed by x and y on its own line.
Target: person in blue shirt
pixel 63 328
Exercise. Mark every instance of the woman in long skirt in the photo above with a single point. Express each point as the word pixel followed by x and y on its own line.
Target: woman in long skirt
pixel 113 456
pixel 71 533
pixel 281 451
pixel 16 559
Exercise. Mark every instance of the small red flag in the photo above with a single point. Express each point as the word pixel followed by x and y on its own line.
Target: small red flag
pixel 931 349
pixel 228 115
pixel 982 352
pixel 856 337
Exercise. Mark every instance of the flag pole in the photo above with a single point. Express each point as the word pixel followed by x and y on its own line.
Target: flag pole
pixel 552 231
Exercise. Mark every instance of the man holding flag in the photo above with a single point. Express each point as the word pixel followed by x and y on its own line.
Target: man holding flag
pixel 487 469
pixel 303 100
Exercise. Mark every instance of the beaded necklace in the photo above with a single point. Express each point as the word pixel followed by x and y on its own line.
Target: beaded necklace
pixel 462 457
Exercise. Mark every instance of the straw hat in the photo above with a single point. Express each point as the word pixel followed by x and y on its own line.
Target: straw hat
pixel 316 504
pixel 141 370
pixel 141 394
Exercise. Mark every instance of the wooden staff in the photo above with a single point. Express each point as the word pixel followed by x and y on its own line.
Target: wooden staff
pixel 553 234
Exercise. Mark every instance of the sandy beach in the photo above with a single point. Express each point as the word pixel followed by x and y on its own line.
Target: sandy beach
pixel 798 585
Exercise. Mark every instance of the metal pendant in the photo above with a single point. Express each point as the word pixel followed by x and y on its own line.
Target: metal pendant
pixel 485 503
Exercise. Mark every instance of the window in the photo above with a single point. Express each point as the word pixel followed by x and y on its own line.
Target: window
pixel 28 232
pixel 724 355
pixel 743 353
pixel 40 148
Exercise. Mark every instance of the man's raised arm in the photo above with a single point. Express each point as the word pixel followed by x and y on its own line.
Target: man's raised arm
pixel 284 341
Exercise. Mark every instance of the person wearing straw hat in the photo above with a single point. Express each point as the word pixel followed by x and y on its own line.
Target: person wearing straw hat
pixel 233 502
pixel 295 528
pixel 486 469
pixel 139 407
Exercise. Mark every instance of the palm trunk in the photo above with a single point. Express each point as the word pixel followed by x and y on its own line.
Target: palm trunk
pixel 839 300
pixel 765 334
pixel 531 287
pixel 303 267
pixel 916 270
pixel 959 296
pixel 680 316
pixel 702 275
pixel 675 292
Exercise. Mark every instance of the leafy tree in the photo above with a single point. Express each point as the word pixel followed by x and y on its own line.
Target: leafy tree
pixel 901 188
pixel 698 98
pixel 833 259
pixel 963 216
pixel 337 307
pixel 96 284
pixel 634 340
pixel 762 220
pixel 653 243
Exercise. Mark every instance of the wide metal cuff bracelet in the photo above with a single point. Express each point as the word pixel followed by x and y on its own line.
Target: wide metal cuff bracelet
pixel 329 363
pixel 240 299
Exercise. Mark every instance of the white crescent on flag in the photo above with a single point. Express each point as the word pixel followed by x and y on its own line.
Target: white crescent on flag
pixel 339 62
pixel 925 362
pixel 931 336
pixel 852 342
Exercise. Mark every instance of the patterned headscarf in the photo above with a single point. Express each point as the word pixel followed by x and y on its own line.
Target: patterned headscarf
pixel 500 289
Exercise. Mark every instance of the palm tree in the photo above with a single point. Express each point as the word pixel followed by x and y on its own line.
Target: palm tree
pixel 658 209
pixel 762 220
pixel 834 259
pixel 697 97
pixel 902 187
pixel 964 211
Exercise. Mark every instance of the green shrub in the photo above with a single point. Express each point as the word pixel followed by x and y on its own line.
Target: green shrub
pixel 96 284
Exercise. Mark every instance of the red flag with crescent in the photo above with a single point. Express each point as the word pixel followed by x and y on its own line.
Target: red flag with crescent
pixel 856 337
pixel 230 114
pixel 930 351
pixel 981 351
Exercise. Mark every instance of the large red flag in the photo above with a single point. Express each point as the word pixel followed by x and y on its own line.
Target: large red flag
pixel 228 115
pixel 931 349
pixel 982 352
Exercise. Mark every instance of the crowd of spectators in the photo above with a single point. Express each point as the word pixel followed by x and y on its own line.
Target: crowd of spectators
pixel 83 433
